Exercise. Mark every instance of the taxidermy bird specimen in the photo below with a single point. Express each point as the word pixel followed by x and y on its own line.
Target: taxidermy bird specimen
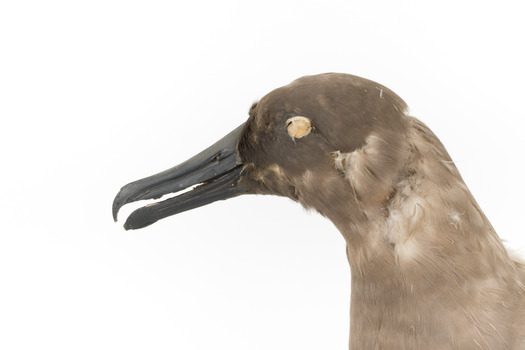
pixel 428 270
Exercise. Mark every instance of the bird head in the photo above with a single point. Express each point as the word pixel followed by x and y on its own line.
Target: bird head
pixel 332 142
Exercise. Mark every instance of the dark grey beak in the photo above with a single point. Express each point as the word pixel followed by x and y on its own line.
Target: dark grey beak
pixel 216 170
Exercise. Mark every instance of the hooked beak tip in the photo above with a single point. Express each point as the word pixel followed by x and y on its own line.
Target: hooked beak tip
pixel 116 207
pixel 120 200
pixel 115 213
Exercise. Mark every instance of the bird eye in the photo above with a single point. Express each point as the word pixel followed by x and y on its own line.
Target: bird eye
pixel 298 127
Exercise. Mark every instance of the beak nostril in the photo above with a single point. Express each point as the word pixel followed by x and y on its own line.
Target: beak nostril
pixel 216 158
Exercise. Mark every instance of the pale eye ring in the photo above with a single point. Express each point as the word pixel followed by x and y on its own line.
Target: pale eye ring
pixel 298 127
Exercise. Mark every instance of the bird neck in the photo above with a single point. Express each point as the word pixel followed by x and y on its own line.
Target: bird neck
pixel 426 241
pixel 426 221
pixel 420 213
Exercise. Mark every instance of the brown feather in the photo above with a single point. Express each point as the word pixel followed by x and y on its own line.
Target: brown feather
pixel 428 269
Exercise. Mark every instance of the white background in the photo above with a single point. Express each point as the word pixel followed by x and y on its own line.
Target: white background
pixel 95 94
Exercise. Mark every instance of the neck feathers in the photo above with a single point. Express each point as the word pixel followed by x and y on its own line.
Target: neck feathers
pixel 423 252
pixel 415 207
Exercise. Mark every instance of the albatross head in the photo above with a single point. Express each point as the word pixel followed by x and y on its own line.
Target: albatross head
pixel 332 142
pixel 425 261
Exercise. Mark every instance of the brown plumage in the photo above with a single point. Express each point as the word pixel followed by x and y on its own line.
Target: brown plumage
pixel 428 269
